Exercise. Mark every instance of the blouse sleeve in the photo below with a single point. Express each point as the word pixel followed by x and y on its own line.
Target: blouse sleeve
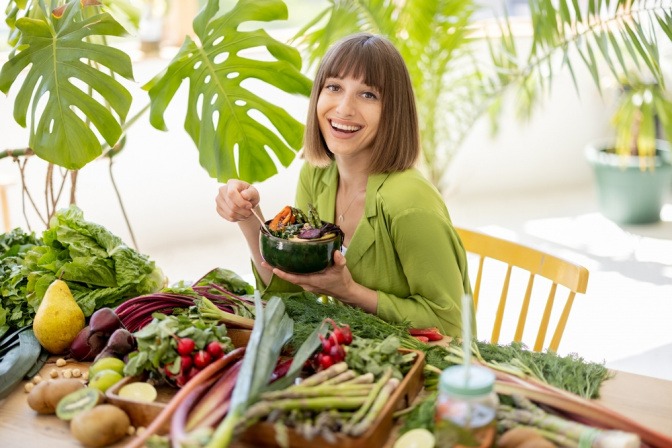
pixel 434 263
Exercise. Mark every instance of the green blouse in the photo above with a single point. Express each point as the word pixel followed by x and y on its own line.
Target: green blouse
pixel 405 246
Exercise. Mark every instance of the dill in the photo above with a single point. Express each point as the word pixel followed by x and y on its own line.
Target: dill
pixel 571 373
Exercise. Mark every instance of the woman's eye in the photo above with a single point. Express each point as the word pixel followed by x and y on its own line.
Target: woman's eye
pixel 332 87
pixel 370 95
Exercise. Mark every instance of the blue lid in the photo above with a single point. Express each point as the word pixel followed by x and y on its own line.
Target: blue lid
pixel 471 382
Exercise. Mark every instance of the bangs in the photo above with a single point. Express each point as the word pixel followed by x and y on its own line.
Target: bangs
pixel 359 59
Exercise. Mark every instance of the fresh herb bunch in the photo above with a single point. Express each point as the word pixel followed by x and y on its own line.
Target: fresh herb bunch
pixel 376 356
pixel 308 311
pixel 570 372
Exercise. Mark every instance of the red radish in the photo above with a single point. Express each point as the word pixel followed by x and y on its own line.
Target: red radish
pixel 192 372
pixel 326 344
pixel 185 346
pixel 202 359
pixel 325 361
pixel 215 349
pixel 167 412
pixel 185 363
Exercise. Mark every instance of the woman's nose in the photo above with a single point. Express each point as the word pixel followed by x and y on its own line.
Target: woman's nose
pixel 345 106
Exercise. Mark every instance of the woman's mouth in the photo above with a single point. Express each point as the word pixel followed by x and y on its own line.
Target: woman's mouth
pixel 344 127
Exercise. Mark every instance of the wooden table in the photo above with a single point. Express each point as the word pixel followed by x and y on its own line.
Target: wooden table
pixel 643 399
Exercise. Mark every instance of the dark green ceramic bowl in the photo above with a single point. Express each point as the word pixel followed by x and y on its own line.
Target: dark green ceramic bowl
pixel 299 257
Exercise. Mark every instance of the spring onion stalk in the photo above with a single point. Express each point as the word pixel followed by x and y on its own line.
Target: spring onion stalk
pixel 272 329
pixel 208 310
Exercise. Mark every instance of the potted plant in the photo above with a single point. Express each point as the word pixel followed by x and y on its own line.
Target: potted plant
pixel 69 80
pixel 634 170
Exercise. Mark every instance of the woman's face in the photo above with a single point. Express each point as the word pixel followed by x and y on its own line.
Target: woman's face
pixel 348 113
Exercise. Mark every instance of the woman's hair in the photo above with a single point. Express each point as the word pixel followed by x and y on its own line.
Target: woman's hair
pixel 375 60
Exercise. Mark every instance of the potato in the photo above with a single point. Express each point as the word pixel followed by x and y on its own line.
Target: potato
pixel 44 397
pixel 101 426
pixel 516 437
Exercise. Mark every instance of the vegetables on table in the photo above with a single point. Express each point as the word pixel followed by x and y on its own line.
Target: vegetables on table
pixel 15 312
pixel 17 358
pixel 157 348
pixel 120 343
pixel 272 329
pixel 208 310
pixel 375 356
pixel 560 430
pixel 212 302
pixel 99 268
pixel 570 372
pixel 44 397
pixel 202 377
pixel 87 345
pixel 105 321
pixel 332 345
pixel 431 333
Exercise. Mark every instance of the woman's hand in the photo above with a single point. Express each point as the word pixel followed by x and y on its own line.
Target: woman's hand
pixel 235 200
pixel 335 281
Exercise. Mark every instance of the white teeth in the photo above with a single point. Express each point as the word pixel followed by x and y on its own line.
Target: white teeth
pixel 345 127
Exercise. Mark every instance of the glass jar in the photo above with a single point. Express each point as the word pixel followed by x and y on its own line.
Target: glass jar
pixel 466 407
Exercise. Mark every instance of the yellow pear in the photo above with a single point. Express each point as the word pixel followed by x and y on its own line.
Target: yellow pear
pixel 58 318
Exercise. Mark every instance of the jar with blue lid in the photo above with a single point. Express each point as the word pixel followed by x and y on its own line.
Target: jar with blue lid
pixel 466 406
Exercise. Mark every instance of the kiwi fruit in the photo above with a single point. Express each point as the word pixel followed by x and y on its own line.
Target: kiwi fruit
pixel 78 401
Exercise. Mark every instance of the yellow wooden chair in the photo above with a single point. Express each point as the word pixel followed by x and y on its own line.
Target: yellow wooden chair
pixel 513 255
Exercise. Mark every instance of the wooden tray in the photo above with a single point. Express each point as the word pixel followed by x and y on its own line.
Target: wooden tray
pixel 141 414
pixel 263 434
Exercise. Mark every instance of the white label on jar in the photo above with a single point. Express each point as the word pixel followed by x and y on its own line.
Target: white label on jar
pixel 468 415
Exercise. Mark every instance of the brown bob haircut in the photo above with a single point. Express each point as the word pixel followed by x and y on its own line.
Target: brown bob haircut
pixel 375 60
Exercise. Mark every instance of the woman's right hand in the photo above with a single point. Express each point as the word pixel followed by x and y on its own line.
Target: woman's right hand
pixel 235 200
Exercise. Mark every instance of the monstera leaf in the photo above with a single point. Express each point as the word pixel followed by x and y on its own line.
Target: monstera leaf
pixel 64 85
pixel 222 115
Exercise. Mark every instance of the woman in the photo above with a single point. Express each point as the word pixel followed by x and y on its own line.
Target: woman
pixel 402 258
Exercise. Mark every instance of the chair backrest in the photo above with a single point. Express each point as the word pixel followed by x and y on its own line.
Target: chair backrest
pixel 537 263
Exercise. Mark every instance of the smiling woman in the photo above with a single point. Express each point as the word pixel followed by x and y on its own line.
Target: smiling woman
pixel 404 260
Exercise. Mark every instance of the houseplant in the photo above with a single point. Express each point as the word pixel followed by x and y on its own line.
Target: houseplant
pixel 440 40
pixel 68 79
pixel 634 170
pixel 461 67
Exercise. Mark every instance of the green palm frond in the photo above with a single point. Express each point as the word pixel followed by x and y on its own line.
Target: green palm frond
pixel 433 38
pixel 611 38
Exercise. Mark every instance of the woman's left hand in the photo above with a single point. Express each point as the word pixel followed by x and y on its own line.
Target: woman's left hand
pixel 335 281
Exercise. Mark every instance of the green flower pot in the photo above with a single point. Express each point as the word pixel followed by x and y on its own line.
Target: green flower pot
pixel 626 193
pixel 299 257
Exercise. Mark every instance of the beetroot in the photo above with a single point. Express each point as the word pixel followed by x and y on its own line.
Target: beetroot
pixel 105 321
pixel 121 342
pixel 87 345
